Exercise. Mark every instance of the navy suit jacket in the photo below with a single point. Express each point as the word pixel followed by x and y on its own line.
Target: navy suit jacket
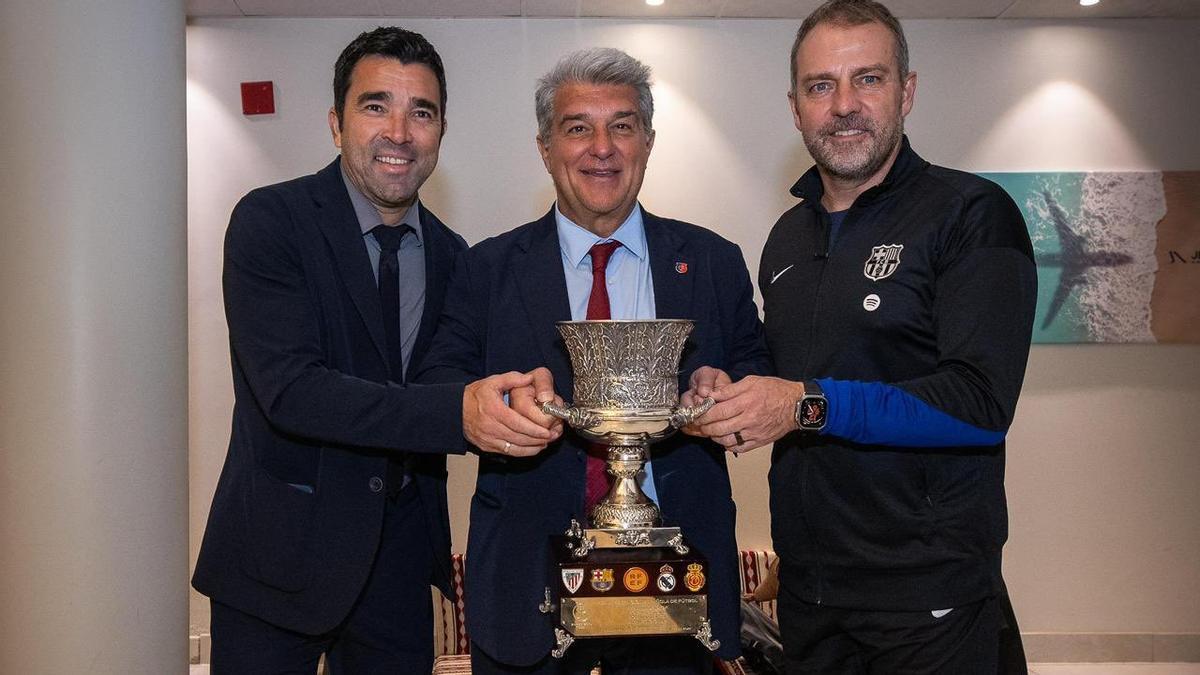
pixel 313 407
pixel 505 296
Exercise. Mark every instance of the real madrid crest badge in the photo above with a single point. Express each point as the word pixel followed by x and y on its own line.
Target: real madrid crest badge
pixel 666 579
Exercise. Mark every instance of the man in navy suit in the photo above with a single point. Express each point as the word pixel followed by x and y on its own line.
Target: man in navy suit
pixel 329 521
pixel 594 114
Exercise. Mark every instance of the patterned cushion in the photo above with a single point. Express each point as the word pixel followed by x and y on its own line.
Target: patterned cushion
pixel 452 664
pixel 449 620
pixel 754 570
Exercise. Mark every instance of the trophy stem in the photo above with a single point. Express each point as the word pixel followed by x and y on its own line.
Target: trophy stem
pixel 626 506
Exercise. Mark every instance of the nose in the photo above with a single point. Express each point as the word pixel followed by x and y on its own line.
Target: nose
pixel 398 130
pixel 602 145
pixel 845 100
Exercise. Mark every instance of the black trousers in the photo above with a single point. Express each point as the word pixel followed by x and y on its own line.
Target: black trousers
pixel 389 628
pixel 830 641
pixel 676 655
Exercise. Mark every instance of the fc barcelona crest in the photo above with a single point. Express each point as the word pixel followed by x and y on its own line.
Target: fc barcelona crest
pixel 602 579
pixel 883 261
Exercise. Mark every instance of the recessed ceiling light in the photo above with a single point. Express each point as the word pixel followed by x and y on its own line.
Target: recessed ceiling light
pixel 1089 3
pixel 654 3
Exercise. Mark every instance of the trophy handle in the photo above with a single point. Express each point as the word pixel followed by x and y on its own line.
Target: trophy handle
pixel 685 415
pixel 578 418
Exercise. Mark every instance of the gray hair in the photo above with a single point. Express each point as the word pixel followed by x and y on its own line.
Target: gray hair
pixel 600 65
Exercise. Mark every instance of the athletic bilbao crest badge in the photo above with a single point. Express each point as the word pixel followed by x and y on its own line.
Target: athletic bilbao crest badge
pixel 572 579
pixel 883 261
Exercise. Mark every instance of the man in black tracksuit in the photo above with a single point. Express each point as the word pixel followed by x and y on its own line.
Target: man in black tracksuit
pixel 898 301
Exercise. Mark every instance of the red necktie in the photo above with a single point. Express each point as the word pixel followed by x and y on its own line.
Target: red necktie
pixel 598 481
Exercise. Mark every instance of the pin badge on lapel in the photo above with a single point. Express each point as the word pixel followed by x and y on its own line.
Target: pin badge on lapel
pixel 681 268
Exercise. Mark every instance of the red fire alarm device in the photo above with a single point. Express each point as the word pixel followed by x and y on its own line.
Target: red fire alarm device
pixel 258 98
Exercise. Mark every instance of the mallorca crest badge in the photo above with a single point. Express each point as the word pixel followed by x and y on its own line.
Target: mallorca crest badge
pixel 681 267
pixel 602 579
pixel 694 579
pixel 572 579
pixel 883 261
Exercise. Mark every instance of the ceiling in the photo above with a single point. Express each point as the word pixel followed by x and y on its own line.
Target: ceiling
pixel 678 9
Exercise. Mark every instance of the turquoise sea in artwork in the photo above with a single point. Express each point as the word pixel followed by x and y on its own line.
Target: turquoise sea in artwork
pixel 1027 190
pixel 1093 237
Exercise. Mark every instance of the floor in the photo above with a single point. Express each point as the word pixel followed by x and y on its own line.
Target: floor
pixel 1115 669
pixel 1041 669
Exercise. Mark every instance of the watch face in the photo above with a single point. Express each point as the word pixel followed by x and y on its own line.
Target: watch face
pixel 812 413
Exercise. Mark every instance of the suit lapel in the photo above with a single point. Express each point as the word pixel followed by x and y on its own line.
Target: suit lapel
pixel 439 257
pixel 543 287
pixel 672 269
pixel 341 229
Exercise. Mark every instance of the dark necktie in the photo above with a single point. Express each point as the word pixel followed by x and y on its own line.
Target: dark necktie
pixel 389 293
pixel 598 480
pixel 389 301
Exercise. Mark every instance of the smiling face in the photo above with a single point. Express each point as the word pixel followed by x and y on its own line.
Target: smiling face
pixel 390 132
pixel 849 100
pixel 596 152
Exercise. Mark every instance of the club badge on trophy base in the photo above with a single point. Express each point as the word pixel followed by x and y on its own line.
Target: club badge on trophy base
pixel 626 575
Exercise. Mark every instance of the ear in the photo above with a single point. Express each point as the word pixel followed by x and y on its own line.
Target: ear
pixel 544 151
pixel 650 135
pixel 444 125
pixel 791 96
pixel 335 129
pixel 908 93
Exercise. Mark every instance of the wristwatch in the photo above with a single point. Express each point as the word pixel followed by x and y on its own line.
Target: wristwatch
pixel 812 409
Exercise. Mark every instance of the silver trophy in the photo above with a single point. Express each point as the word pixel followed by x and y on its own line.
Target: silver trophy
pixel 627 397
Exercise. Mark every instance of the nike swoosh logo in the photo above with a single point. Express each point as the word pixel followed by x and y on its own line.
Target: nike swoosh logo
pixel 780 272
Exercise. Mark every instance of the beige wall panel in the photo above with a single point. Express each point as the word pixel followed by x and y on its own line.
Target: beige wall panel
pixel 1103 451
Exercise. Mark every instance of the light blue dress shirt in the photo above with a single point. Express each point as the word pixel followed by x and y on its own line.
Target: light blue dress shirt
pixel 411 258
pixel 630 285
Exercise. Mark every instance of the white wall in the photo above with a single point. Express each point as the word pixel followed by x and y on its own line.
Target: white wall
pixel 1102 459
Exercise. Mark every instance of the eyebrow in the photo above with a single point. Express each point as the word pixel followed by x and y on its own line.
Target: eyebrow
pixel 857 71
pixel 374 96
pixel 420 102
pixel 585 117
pixel 386 97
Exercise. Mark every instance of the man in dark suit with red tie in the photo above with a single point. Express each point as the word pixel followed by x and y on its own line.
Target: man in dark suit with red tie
pixel 329 521
pixel 596 254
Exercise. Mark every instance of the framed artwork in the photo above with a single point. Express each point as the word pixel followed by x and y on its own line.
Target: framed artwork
pixel 1118 254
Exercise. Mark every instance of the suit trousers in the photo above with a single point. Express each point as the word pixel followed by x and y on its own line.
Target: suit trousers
pixel 823 640
pixel 388 630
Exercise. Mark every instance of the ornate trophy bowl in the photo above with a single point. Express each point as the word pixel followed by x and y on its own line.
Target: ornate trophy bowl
pixel 627 397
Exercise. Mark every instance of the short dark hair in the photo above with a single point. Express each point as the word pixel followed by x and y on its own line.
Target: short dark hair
pixel 852 13
pixel 390 41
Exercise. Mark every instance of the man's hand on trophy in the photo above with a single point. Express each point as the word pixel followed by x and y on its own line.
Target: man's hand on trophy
pixel 490 425
pixel 701 384
pixel 528 400
pixel 752 412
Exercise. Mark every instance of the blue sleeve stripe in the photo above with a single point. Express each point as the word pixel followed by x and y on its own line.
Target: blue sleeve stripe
pixel 881 414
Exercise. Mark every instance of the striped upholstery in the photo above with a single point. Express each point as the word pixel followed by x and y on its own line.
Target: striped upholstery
pixel 449 619
pixel 451 645
pixel 754 570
